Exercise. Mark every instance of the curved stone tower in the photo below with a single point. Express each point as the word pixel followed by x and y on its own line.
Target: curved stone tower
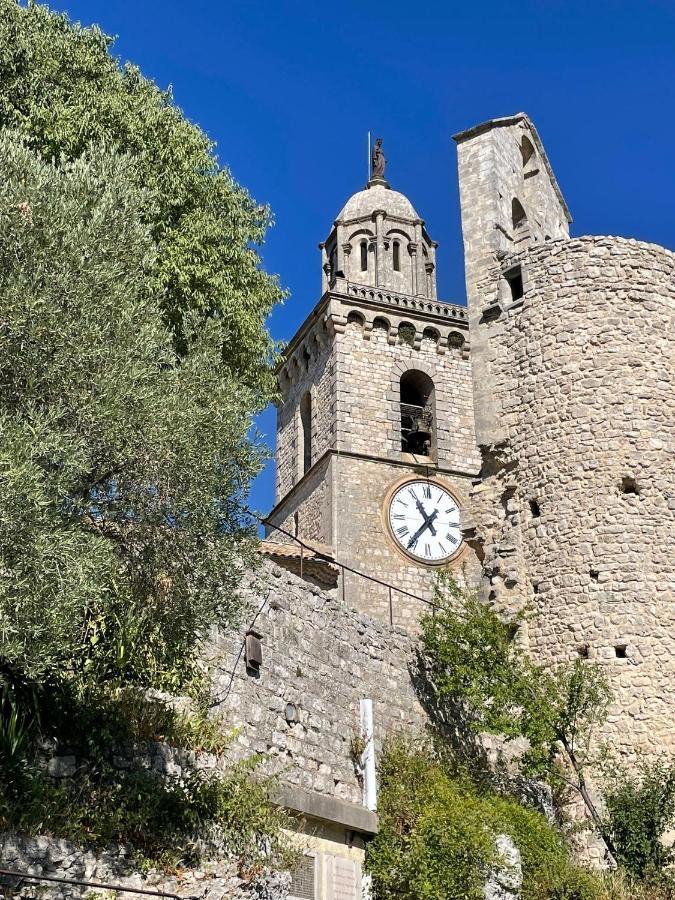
pixel 573 355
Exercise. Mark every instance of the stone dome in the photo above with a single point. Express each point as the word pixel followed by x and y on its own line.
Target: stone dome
pixel 376 196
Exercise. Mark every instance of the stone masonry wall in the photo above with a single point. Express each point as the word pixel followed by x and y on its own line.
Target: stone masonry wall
pixel 354 369
pixel 44 855
pixel 323 657
pixel 369 368
pixel 367 546
pixel 576 511
pixel 309 369
pixel 492 174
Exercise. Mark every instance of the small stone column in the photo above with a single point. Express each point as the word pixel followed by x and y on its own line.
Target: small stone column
pixel 429 268
pixel 346 255
pixel 325 267
pixel 412 250
pixel 379 215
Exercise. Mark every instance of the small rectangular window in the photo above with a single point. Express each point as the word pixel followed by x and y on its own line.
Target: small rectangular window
pixel 397 256
pixel 514 278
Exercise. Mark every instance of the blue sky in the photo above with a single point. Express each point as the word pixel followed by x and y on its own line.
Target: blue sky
pixel 289 90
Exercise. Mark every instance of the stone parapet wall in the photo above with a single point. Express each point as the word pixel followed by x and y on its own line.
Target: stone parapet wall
pixel 324 658
pixel 56 858
pixel 575 515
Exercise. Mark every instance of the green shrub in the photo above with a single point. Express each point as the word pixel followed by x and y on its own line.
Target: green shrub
pixel 640 809
pixel 437 837
pixel 164 820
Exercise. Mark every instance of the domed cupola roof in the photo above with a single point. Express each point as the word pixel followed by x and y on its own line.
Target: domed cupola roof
pixel 379 241
pixel 377 196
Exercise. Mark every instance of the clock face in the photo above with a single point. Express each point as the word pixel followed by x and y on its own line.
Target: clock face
pixel 424 520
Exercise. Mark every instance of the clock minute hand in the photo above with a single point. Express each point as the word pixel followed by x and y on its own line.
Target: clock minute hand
pixel 428 520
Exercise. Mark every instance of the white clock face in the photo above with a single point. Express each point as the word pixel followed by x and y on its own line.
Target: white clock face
pixel 424 520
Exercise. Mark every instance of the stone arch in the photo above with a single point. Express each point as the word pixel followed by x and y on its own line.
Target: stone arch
pixel 432 334
pixel 401 368
pixel 398 370
pixel 456 339
pixel 407 333
pixel 382 322
pixel 354 317
pixel 417 410
pixel 519 223
pixel 527 151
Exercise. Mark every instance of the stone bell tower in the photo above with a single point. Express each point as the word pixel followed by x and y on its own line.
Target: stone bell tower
pixel 376 397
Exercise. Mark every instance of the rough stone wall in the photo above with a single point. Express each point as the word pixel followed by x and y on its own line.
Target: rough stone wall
pixel 366 545
pixel 308 510
pixel 576 511
pixel 311 369
pixel 49 856
pixel 351 357
pixel 492 174
pixel 369 369
pixel 324 658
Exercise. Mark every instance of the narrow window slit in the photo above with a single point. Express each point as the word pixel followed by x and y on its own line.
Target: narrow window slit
pixel 514 278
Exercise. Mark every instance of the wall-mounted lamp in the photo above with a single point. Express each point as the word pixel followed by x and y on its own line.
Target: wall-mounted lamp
pixel 253 651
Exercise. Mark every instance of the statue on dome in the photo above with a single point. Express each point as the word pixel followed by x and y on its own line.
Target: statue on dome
pixel 378 160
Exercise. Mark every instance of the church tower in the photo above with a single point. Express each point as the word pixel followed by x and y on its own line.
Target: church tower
pixel 375 433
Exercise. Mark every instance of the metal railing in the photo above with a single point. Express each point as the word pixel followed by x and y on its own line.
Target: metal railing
pixel 309 551
pixel 96 885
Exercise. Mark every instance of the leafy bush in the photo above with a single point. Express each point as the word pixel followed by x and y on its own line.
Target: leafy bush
pixel 640 809
pixel 114 798
pixel 64 91
pixel 472 662
pixel 165 820
pixel 437 837
pixel 121 465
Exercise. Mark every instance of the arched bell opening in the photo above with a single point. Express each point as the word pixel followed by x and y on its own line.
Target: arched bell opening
pixel 417 403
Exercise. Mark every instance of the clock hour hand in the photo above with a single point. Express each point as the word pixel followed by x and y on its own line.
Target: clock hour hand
pixel 428 520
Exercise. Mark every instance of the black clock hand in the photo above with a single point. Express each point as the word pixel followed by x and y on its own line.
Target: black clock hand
pixel 428 523
pixel 428 520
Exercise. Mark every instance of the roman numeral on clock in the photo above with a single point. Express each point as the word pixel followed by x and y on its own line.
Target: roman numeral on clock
pixel 453 540
pixel 427 549
pixel 402 531
pixel 427 491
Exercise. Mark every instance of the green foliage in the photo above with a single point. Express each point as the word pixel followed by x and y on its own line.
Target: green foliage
pixel 62 89
pixel 431 842
pixel 121 464
pixel 640 809
pixel 437 837
pixel 474 663
pixel 164 820
pixel 406 333
pixel 133 356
